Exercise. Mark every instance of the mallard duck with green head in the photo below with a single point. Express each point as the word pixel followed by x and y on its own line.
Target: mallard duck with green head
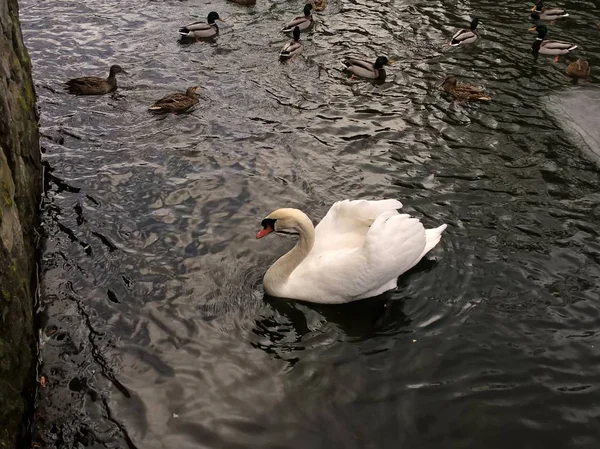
pixel 304 23
pixel 540 12
pixel 579 69
pixel 365 69
pixel 466 36
pixel 543 46
pixel 293 48
pixel 94 85
pixel 176 102
pixel 202 30
pixel 463 91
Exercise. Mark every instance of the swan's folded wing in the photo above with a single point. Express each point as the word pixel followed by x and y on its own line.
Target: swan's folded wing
pixel 394 244
pixel 347 222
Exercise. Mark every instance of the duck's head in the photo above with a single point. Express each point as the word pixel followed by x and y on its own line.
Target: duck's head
pixel 307 9
pixel 449 84
pixel 191 91
pixel 474 23
pixel 212 16
pixel 381 61
pixel 116 69
pixel 283 221
pixel 541 30
pixel 539 6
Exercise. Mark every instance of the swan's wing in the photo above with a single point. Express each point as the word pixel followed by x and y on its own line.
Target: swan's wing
pixel 346 223
pixel 394 244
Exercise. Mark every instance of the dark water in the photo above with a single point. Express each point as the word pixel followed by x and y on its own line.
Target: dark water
pixel 156 333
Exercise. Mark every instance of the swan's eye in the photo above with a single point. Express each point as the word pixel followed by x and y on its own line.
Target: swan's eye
pixel 268 223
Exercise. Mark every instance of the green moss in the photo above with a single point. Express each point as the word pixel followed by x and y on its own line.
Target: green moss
pixel 5 195
pixel 22 103
pixel 29 95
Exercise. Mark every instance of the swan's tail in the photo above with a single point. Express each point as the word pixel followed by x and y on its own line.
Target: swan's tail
pixel 432 238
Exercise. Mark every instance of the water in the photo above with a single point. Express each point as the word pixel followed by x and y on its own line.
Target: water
pixel 155 330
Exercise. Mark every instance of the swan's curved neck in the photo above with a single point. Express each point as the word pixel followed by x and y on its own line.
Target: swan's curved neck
pixel 277 275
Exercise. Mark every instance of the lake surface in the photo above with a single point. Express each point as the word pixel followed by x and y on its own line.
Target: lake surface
pixel 155 330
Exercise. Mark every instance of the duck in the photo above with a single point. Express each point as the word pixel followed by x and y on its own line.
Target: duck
pixel 176 102
pixel 543 46
pixel 540 12
pixel 202 30
pixel 462 91
pixel 318 5
pixel 464 36
pixel 365 69
pixel 293 47
pixel 94 85
pixel 305 22
pixel 579 69
pixel 357 251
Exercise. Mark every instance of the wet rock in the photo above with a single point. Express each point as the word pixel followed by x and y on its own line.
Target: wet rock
pixel 20 190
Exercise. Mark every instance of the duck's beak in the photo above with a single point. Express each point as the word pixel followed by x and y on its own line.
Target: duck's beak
pixel 390 61
pixel 221 20
pixel 263 232
pixel 533 8
pixel 532 29
pixel 196 88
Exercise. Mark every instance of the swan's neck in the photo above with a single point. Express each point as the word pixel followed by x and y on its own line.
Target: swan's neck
pixel 280 271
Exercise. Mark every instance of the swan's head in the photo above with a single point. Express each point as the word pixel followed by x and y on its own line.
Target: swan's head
pixel 285 221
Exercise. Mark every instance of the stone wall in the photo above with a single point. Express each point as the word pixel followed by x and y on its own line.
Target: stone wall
pixel 20 190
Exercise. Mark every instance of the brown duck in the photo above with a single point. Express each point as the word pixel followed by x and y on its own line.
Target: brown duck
pixel 463 92
pixel 93 85
pixel 318 5
pixel 176 102
pixel 579 69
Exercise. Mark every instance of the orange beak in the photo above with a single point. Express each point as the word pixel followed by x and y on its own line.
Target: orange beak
pixel 263 232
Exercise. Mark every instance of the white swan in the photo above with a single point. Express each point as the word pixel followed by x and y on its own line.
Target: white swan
pixel 357 251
